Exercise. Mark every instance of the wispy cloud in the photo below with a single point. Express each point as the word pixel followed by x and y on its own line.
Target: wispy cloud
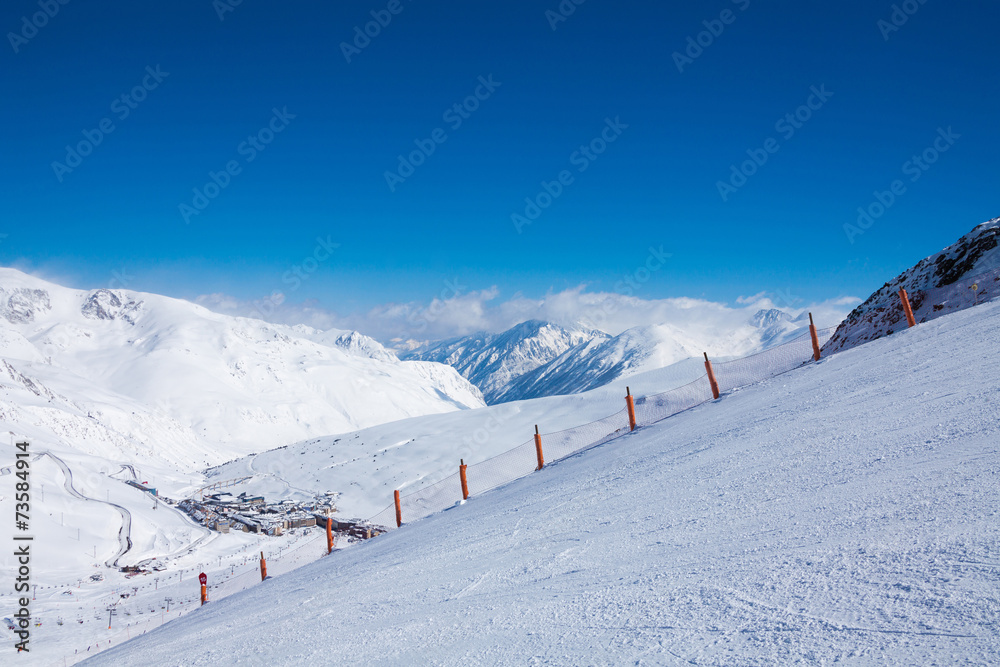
pixel 457 313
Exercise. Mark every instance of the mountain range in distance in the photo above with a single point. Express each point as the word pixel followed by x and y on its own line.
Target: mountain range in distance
pixel 535 358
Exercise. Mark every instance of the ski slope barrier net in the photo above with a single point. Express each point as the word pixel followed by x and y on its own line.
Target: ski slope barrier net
pixel 527 457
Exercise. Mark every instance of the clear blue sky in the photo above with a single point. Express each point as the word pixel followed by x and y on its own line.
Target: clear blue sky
pixel 323 175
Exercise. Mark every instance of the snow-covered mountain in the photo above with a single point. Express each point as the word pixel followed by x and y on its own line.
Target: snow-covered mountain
pixel 936 285
pixel 535 359
pixel 493 361
pixel 639 349
pixel 599 361
pixel 128 375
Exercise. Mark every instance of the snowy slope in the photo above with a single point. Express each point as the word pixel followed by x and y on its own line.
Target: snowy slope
pixel 367 465
pixel 936 285
pixel 845 512
pixel 493 361
pixel 203 387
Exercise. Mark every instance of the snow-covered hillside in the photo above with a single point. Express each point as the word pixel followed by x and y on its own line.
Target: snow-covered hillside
pixel 936 285
pixel 144 377
pixel 844 512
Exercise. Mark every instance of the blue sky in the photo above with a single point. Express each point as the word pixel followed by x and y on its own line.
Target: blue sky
pixel 202 79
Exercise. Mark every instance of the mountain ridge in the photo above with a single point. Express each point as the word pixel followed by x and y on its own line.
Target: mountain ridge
pixel 207 386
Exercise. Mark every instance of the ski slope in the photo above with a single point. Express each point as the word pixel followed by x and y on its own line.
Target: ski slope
pixel 366 466
pixel 845 512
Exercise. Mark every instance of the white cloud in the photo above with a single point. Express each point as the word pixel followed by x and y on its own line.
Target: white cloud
pixel 458 313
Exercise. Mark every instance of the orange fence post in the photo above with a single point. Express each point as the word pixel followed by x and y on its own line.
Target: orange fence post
pixel 812 332
pixel 906 307
pixel 263 567
pixel 711 377
pixel 204 593
pixel 630 404
pixel 329 535
pixel 465 482
pixel 399 510
pixel 538 449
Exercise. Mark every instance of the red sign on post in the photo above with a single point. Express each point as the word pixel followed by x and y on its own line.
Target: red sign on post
pixel 203 578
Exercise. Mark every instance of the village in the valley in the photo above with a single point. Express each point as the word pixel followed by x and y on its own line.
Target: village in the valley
pixel 225 512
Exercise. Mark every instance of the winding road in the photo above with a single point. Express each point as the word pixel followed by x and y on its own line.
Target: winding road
pixel 124 533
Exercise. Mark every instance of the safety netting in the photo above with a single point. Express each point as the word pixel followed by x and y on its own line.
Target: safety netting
pixel 763 365
pixel 651 409
pixel 523 459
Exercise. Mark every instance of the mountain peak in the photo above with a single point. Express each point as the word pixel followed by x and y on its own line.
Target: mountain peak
pixel 493 361
pixel 769 317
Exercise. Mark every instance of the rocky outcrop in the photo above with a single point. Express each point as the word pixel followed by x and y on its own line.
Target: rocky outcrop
pixel 936 285
pixel 105 304
pixel 20 305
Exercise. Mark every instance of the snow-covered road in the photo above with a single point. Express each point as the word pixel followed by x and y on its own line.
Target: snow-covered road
pixel 842 513
pixel 124 533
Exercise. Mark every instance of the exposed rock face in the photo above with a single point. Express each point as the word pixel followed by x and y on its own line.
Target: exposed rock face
pixel 936 285
pixel 495 362
pixel 20 305
pixel 105 304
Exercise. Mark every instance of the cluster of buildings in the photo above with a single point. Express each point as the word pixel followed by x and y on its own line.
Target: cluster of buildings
pixel 225 512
